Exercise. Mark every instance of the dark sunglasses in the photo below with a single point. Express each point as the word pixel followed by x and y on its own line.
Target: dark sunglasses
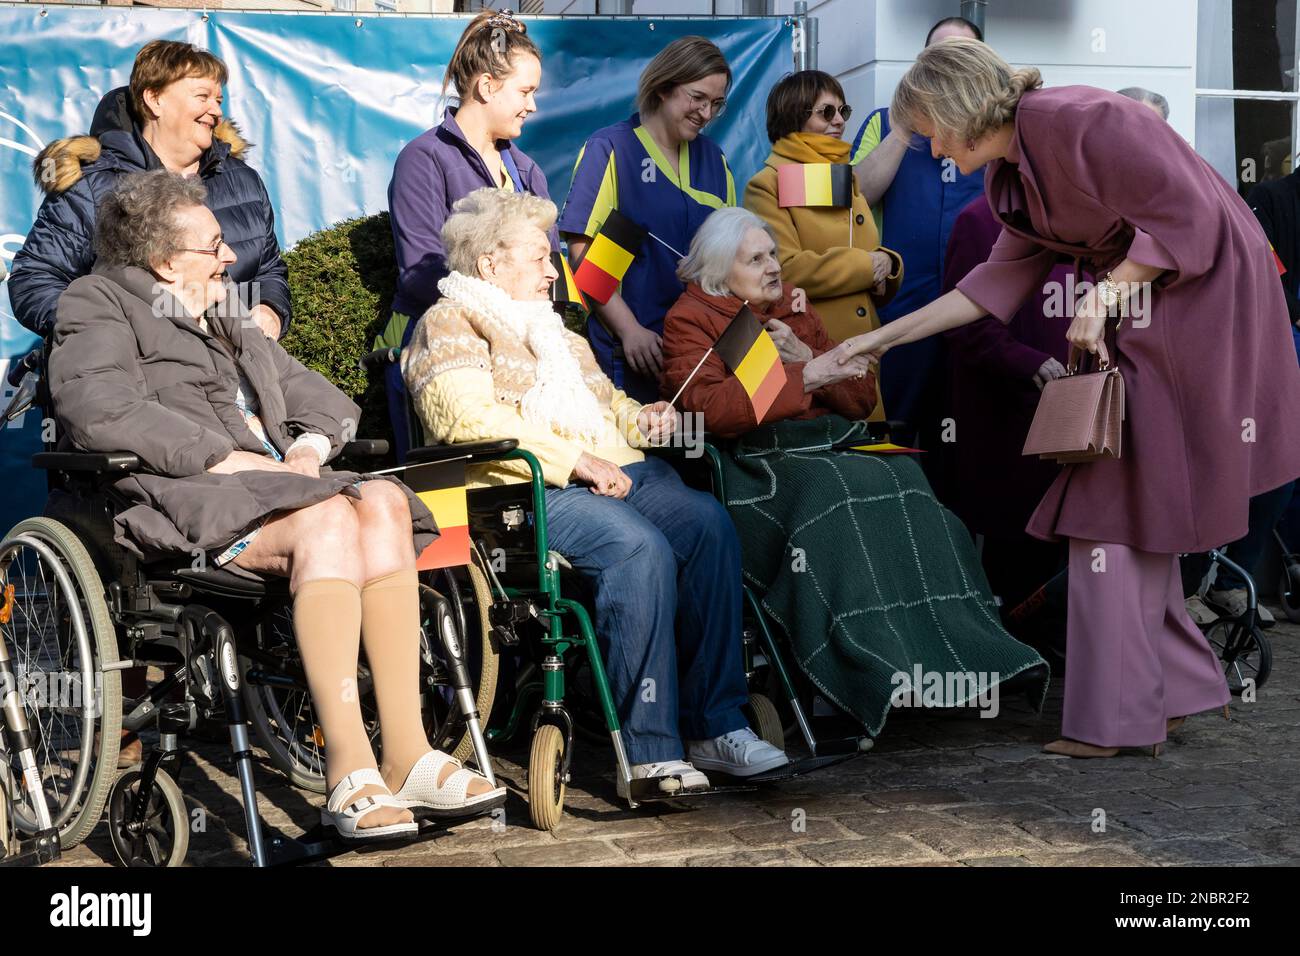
pixel 827 112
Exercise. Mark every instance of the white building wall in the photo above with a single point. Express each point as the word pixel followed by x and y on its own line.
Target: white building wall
pixel 1112 44
pixel 868 44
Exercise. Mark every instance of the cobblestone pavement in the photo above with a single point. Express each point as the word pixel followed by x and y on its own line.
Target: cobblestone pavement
pixel 937 790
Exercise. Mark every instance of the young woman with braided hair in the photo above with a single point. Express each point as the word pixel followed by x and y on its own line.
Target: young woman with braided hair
pixel 495 72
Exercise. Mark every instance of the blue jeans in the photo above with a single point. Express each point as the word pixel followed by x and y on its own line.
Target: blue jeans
pixel 664 559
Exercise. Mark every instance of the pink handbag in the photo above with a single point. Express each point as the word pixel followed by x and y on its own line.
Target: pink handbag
pixel 1080 416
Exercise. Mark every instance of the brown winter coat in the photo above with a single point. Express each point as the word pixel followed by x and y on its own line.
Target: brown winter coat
pixel 131 371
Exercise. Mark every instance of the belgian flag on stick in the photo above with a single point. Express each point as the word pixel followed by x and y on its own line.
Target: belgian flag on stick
pixel 609 256
pixel 751 354
pixel 441 486
pixel 815 184
pixel 564 291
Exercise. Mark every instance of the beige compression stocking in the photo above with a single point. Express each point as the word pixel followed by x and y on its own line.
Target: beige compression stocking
pixel 327 621
pixel 390 630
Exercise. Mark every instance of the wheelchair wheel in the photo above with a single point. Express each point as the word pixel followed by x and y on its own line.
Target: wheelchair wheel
pixel 546 783
pixel 163 838
pixel 1245 653
pixel 62 641
pixel 765 721
pixel 1288 591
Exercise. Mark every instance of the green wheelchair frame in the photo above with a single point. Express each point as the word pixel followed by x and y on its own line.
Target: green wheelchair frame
pixel 566 626
pixel 542 603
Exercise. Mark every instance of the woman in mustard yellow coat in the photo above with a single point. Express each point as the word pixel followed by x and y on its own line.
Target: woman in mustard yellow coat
pixel 832 253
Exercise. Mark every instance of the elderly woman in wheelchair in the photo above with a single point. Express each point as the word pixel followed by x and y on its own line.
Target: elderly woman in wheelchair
pixel 492 359
pixel 846 543
pixel 153 354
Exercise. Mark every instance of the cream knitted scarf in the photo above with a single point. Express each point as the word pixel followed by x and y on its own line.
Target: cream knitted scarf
pixel 558 398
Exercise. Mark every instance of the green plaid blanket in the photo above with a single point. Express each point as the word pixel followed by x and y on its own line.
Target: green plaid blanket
pixel 872 580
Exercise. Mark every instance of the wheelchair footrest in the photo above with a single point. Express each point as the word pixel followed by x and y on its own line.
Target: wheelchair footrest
pixel 321 843
pixel 646 790
pixel 795 768
pixel 850 746
pixel 34 851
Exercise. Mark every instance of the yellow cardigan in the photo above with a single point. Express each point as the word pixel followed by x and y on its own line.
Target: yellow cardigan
pixel 460 405
pixel 813 242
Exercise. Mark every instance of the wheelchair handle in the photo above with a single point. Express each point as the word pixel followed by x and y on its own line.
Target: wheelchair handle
pixel 377 359
pixel 31 362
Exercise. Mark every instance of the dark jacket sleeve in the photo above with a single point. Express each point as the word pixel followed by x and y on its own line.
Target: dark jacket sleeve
pixel 714 391
pixel 1264 205
pixel 314 404
pixel 58 249
pixel 98 397
pixel 418 208
pixel 270 284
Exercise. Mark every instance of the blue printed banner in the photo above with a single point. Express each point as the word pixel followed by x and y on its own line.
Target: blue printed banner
pixel 327 102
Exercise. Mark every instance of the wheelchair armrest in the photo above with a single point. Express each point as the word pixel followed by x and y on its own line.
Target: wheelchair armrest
pixel 379 358
pixel 117 462
pixel 473 451
pixel 365 448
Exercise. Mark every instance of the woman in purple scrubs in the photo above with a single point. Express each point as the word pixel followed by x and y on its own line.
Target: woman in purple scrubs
pixel 1203 344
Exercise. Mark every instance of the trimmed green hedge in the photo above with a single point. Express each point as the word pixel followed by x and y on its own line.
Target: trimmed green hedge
pixel 341 281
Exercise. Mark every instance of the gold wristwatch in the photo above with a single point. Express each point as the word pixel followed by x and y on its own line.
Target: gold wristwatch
pixel 1108 292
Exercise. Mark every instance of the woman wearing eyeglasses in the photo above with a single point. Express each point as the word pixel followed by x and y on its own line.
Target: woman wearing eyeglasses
pixel 832 253
pixel 660 171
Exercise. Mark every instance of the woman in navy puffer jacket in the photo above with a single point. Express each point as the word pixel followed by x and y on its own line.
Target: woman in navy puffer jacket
pixel 176 89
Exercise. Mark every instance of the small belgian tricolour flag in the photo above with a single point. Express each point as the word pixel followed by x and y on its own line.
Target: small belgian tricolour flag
pixel 564 290
pixel 815 184
pixel 609 256
pixel 751 354
pixel 441 486
pixel 1277 260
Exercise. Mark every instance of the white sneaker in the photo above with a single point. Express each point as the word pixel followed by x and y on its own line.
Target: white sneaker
pixel 741 753
pixel 673 775
pixel 1234 602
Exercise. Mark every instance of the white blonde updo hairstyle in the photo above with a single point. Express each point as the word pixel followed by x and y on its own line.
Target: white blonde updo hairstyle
pixel 962 88
pixel 488 220
pixel 712 252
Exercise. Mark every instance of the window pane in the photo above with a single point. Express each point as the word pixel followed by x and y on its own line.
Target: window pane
pixel 1247 141
pixel 1261 54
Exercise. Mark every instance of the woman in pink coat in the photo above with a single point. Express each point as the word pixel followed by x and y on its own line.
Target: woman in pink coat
pixel 1203 344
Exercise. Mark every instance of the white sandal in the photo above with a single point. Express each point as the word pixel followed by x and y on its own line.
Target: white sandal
pixel 421 791
pixel 344 808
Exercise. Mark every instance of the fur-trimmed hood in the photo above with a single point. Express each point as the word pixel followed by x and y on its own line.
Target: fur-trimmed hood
pixel 58 167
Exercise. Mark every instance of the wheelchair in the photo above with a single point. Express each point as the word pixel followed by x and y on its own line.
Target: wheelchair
pixel 79 609
pixel 560 689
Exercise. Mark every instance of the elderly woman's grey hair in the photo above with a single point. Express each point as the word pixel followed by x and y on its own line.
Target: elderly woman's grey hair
pixel 712 253
pixel 1149 98
pixel 136 225
pixel 488 220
